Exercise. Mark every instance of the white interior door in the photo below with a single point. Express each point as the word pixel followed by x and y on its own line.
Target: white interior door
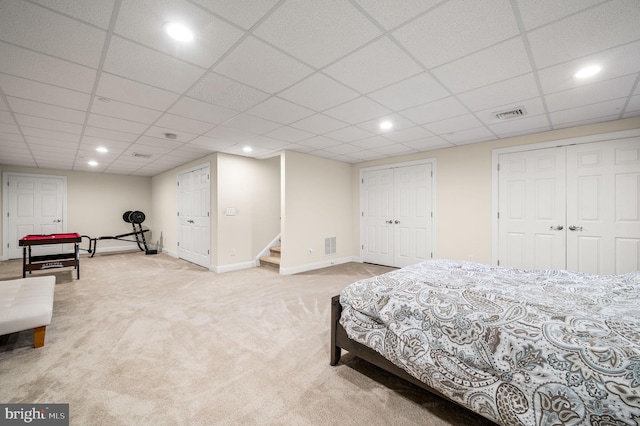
pixel 377 216
pixel 603 207
pixel 194 221
pixel 532 210
pixel 412 218
pixel 397 220
pixel 35 206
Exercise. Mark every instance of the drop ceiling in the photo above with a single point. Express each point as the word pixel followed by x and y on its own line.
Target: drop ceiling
pixel 311 76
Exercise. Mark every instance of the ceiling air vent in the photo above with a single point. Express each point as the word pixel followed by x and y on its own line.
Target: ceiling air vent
pixel 514 113
pixel 141 155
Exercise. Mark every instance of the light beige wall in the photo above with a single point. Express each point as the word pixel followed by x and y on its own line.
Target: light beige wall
pixel 249 185
pixel 463 189
pixel 97 201
pixel 252 187
pixel 317 203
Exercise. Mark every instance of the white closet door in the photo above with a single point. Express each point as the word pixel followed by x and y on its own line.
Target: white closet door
pixel 36 206
pixel 194 221
pixel 603 207
pixel 532 209
pixel 412 218
pixel 377 216
pixel 396 222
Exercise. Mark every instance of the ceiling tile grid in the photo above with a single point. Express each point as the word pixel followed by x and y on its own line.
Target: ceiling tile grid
pixel 317 77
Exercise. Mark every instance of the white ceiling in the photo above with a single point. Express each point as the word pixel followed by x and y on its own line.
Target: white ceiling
pixel 304 75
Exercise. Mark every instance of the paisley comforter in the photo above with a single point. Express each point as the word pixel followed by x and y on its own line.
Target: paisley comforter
pixel 519 347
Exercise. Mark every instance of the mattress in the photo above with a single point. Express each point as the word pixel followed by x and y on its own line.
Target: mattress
pixel 516 346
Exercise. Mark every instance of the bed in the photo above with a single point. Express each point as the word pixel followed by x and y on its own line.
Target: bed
pixel 518 347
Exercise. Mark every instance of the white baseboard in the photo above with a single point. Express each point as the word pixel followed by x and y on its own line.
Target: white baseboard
pixel 232 267
pixel 318 265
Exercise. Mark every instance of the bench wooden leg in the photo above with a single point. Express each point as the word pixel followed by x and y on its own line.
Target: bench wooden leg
pixel 38 336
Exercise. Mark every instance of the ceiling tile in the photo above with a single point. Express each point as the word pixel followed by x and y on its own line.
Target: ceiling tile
pixel 131 92
pixel 32 90
pixel 349 134
pixel 229 134
pixel 541 12
pixel 593 111
pixel 42 30
pixel 211 144
pixel 280 111
pixel 591 94
pixel 202 111
pixel 318 92
pixel 147 66
pixel 143 22
pixel 319 142
pixel 410 134
pixel 50 133
pixel 457 28
pixel 433 142
pixel 462 137
pixel 455 124
pixel 125 111
pixel 408 93
pixel 109 134
pixel 289 134
pixel 150 143
pixel 9 128
pixel 616 62
pixel 434 111
pixel 251 124
pixel 241 12
pixel 266 143
pixel 358 110
pixel 95 12
pixel 261 66
pixel 398 122
pixel 344 148
pixel 38 109
pixel 634 104
pixel 515 126
pixel 106 122
pixel 396 149
pixel 160 132
pixel 317 32
pixel 6 117
pixel 601 27
pixel 488 66
pixel 390 13
pixel 219 90
pixel 509 91
pixel 318 124
pixel 46 69
pixel 182 124
pixel 373 143
pixel 91 143
pixel 376 65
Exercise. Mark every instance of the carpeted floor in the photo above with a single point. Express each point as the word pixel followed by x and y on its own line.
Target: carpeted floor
pixel 142 340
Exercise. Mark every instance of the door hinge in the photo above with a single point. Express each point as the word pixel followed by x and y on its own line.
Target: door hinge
pixel 431 215
pixel 362 214
pixel 207 214
pixel 177 183
pixel 498 215
pixel 363 247
pixel 432 255
pixel 362 180
pixel 498 166
pixel 431 173
pixel 498 263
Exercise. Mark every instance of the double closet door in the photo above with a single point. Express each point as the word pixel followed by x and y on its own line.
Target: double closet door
pixel 396 215
pixel 575 207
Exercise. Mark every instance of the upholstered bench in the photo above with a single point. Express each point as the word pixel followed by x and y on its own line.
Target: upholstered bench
pixel 27 303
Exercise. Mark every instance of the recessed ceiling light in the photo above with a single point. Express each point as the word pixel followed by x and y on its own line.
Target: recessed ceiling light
pixel 178 31
pixel 92 163
pixel 588 71
pixel 102 149
pixel 247 149
pixel 386 125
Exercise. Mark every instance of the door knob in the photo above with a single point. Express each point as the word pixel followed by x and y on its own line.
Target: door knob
pixel 396 222
pixel 190 221
pixel 57 221
pixel 388 221
pixel 575 228
pixel 557 228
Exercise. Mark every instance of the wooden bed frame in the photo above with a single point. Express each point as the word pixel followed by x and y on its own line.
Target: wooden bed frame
pixel 340 340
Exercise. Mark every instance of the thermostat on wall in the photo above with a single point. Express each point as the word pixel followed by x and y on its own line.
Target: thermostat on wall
pixel 230 211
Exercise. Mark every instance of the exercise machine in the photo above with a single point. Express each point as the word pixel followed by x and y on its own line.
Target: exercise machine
pixel 135 218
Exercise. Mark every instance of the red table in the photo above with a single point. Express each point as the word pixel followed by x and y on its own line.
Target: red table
pixel 62 260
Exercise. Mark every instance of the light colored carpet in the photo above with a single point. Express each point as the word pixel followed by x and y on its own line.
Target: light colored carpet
pixel 143 340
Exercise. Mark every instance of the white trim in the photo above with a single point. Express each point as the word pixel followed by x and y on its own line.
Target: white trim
pixel 313 266
pixel 232 267
pixel 5 205
pixel 495 154
pixel 179 173
pixel 434 208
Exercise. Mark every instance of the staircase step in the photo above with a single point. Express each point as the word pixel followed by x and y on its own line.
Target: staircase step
pixel 272 262
pixel 275 251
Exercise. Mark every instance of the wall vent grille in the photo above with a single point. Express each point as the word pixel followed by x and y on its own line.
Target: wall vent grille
pixel 514 113
pixel 330 245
